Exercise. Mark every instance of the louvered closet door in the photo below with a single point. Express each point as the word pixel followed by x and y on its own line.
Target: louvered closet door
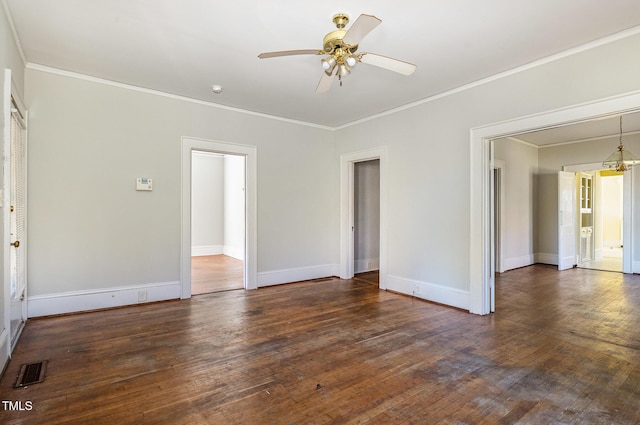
pixel 17 198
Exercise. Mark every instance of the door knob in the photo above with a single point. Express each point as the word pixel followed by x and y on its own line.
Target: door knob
pixel 16 244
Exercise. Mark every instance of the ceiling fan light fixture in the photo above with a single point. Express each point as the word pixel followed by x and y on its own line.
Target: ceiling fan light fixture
pixel 343 70
pixel 621 159
pixel 328 64
pixel 339 50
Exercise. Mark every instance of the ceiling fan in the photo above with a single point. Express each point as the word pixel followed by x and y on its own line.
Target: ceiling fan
pixel 340 47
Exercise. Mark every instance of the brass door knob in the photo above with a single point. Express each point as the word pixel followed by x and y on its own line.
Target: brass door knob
pixel 16 244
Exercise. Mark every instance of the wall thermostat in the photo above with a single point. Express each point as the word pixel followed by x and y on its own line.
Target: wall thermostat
pixel 144 183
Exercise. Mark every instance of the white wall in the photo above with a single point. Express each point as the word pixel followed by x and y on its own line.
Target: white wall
pixel 428 215
pixel 92 235
pixel 520 202
pixel 217 205
pixel 207 204
pixel 234 206
pixel 366 216
pixel 611 201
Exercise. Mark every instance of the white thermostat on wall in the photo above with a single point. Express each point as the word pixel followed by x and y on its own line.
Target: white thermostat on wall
pixel 144 183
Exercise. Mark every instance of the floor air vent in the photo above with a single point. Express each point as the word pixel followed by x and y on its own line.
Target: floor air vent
pixel 31 373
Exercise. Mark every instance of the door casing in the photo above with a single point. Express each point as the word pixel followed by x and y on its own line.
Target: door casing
pixel 250 154
pixel 480 179
pixel 347 191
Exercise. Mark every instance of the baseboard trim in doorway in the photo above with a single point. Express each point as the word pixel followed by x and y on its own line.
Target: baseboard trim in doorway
pixel 77 301
pixel 204 250
pixel 277 277
pixel 517 262
pixel 544 258
pixel 367 265
pixel 430 292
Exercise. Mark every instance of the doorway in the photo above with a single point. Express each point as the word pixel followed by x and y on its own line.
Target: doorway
pixel 15 212
pixel 348 163
pixel 217 222
pixel 247 155
pixel 480 231
pixel 366 183
pixel 587 203
pixel 601 224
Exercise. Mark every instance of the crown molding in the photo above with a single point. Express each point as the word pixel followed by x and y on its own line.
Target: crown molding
pixel 14 32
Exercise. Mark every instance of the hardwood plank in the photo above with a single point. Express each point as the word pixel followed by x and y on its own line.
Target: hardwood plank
pixel 564 347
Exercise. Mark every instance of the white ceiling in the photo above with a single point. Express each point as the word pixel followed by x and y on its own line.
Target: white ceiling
pixel 183 47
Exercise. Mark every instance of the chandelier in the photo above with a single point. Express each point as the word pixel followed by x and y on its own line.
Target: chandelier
pixel 621 159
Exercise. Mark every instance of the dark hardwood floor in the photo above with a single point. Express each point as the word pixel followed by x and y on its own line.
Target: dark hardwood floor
pixel 563 348
pixel 213 273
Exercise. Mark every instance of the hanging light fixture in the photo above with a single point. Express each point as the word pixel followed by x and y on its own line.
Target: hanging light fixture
pixel 621 159
pixel 328 64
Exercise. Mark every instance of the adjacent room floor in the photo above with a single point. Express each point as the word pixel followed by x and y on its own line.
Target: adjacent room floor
pixel 213 273
pixel 611 261
pixel 563 347
pixel 371 277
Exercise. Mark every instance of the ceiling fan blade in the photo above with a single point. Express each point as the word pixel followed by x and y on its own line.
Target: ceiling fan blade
pixel 360 28
pixel 391 64
pixel 291 53
pixel 325 83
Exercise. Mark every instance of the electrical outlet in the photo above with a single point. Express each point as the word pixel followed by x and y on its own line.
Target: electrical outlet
pixel 142 295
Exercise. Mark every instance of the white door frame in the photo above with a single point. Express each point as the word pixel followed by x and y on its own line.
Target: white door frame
pixel 250 153
pixel 480 179
pixel 497 220
pixel 347 191
pixel 499 217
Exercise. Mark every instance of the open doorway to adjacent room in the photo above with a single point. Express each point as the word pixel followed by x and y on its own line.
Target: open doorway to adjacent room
pixel 544 211
pixel 217 222
pixel 366 184
pixel 600 194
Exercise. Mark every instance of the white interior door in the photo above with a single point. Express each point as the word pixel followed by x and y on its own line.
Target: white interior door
pixel 566 220
pixel 17 209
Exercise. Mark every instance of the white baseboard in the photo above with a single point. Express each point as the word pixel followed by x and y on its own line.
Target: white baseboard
pixel 599 253
pixel 612 243
pixel 200 251
pixel 234 252
pixel 76 301
pixel 517 262
pixel 367 265
pixel 543 258
pixel 5 349
pixel 430 292
pixel 635 267
pixel 277 277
